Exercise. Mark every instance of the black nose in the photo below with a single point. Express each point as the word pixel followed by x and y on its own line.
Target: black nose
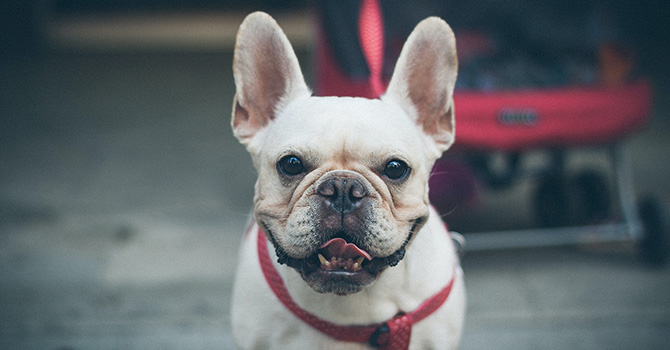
pixel 342 194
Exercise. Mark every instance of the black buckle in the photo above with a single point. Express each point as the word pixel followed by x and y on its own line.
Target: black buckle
pixel 380 336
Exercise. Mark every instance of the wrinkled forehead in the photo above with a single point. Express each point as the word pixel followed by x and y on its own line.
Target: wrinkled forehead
pixel 351 126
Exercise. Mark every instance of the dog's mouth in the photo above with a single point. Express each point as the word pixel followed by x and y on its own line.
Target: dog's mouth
pixel 340 266
pixel 338 254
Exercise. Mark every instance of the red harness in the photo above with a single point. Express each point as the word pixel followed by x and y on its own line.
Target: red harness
pixel 393 334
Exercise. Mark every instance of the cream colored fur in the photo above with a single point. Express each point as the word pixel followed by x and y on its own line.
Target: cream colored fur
pixel 274 115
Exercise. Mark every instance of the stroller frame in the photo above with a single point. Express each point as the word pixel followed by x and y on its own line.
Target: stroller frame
pixel 630 228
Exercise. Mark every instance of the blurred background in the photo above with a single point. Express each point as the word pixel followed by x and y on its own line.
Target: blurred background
pixel 124 195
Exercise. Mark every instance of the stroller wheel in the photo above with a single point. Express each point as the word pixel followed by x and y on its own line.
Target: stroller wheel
pixel 655 243
pixel 553 201
pixel 592 197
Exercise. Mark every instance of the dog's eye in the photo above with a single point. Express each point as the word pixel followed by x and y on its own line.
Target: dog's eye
pixel 396 170
pixel 290 165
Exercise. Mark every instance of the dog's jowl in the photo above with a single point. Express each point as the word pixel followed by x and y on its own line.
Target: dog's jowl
pixel 345 251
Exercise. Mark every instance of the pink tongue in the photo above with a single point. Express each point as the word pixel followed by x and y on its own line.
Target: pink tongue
pixel 338 247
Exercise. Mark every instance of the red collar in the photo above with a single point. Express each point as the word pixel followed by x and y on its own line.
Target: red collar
pixel 393 334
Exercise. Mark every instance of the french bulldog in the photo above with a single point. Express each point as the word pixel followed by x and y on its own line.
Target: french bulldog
pixel 343 239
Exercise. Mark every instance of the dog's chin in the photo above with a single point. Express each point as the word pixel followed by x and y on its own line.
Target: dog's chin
pixel 338 282
pixel 350 277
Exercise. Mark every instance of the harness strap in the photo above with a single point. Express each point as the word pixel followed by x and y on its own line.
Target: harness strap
pixel 394 334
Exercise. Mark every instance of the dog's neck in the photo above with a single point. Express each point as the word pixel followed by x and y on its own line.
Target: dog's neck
pixel 400 288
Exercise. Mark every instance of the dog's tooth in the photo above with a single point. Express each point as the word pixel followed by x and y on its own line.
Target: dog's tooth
pixel 356 266
pixel 323 260
pixel 359 261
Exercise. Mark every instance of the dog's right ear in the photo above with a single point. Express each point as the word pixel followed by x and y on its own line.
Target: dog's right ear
pixel 424 78
pixel 267 75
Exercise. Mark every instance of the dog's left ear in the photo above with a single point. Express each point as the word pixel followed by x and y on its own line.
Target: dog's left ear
pixel 424 78
pixel 267 75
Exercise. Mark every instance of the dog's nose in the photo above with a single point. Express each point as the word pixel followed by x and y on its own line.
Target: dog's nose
pixel 342 194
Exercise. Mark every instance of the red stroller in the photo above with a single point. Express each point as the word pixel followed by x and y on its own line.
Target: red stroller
pixel 509 103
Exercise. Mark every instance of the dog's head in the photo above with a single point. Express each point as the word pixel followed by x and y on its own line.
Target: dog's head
pixel 343 182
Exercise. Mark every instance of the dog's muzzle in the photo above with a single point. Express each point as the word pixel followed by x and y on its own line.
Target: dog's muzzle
pixel 342 260
pixel 343 205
